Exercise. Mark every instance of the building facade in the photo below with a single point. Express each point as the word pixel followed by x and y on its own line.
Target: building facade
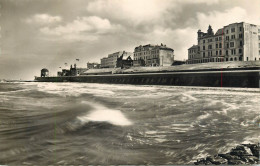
pixel 111 60
pixel 93 65
pixel 234 42
pixel 153 55
pixel 125 60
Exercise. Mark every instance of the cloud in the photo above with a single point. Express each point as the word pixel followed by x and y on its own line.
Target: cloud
pixel 129 10
pixel 88 28
pixel 43 19
pixel 220 19
pixel 139 11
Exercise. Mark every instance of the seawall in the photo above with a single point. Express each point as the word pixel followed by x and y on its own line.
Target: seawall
pixel 247 77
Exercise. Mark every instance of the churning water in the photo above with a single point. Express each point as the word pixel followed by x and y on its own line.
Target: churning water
pixel 81 123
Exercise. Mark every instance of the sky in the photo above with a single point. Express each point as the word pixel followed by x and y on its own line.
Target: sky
pixel 38 34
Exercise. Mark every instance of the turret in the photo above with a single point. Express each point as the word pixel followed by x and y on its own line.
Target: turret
pixel 210 31
pixel 44 72
pixel 199 34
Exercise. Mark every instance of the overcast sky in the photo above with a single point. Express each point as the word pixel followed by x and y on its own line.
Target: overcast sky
pixel 47 33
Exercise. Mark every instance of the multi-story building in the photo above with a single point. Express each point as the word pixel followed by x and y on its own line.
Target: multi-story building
pixel 154 55
pixel 93 65
pixel 111 60
pixel 234 42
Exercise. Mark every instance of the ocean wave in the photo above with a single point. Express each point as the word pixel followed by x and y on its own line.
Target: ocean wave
pixel 103 114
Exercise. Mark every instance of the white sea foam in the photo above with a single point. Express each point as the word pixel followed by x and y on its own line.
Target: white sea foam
pixel 205 116
pixel 103 114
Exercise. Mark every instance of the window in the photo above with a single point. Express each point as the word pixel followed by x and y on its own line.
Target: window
pixel 227 52
pixel 240 51
pixel 240 29
pixel 216 39
pixel 220 38
pixel 227 31
pixel 240 35
pixel 233 29
pixel 227 37
pixel 259 45
pixel 259 52
pixel 231 44
pixel 258 37
pixel 227 45
pixel 216 45
pixel 233 36
pixel 203 41
pixel 241 43
pixel 220 45
pixel 203 47
pixel 258 30
pixel 203 54
pixel 246 58
pixel 216 52
pixel 210 47
pixel 208 54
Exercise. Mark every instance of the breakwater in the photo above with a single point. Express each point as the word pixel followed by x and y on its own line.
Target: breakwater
pixel 246 77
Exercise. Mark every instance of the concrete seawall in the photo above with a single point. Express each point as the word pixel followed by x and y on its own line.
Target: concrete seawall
pixel 234 78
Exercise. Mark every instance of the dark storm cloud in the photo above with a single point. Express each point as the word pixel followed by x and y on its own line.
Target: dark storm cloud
pixel 48 33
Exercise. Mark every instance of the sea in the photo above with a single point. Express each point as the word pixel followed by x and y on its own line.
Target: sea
pixel 106 124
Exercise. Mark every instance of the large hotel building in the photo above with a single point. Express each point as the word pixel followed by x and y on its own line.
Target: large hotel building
pixel 234 42
pixel 154 55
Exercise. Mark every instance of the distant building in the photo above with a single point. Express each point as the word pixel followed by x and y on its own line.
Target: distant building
pixel 234 42
pixel 44 72
pixel 124 61
pixel 111 60
pixel 65 72
pixel 59 73
pixel 153 55
pixel 93 65
pixel 74 71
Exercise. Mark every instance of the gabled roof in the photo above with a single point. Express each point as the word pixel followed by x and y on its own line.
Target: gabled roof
pixel 219 32
pixel 193 47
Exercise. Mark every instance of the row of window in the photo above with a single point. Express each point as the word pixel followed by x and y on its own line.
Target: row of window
pixel 234 30
pixel 148 57
pixel 227 38
pixel 146 52
pixel 218 45
pixel 192 51
pixel 232 51
pixel 216 39
pixel 234 36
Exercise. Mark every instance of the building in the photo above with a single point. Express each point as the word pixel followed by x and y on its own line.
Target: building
pixel 44 72
pixel 75 71
pixel 65 72
pixel 93 65
pixel 125 60
pixel 111 60
pixel 234 42
pixel 153 55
